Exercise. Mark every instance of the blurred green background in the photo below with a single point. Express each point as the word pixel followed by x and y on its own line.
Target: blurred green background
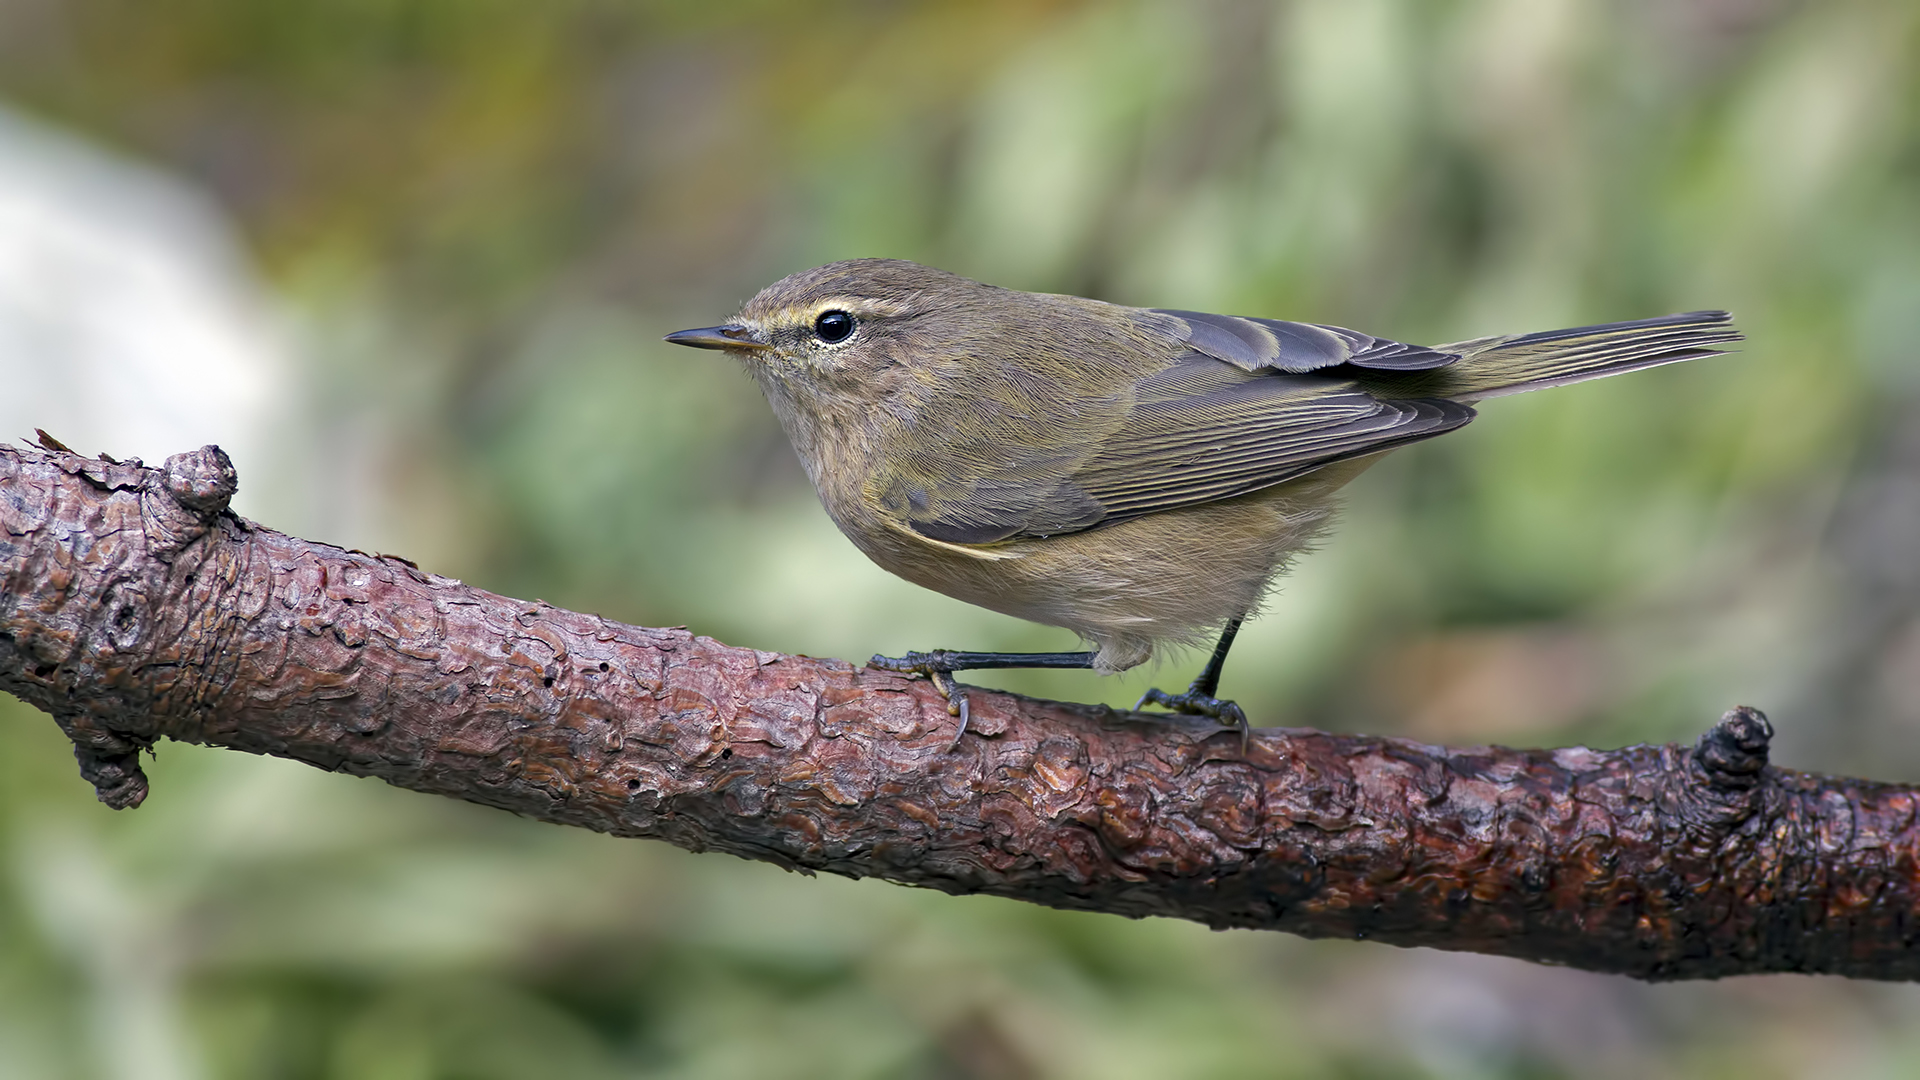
pixel 410 262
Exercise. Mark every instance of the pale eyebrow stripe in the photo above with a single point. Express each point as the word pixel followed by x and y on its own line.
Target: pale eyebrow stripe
pixel 856 307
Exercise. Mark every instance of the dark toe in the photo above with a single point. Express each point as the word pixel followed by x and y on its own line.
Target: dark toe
pixel 917 663
pixel 1194 703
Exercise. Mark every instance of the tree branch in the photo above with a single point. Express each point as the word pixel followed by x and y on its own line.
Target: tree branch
pixel 135 606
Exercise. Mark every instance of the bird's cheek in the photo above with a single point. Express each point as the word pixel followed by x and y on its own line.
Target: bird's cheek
pixel 784 365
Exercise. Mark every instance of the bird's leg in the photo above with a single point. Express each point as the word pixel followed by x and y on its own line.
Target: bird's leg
pixel 1199 699
pixel 940 664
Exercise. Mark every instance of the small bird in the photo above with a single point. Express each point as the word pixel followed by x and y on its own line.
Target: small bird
pixel 1138 476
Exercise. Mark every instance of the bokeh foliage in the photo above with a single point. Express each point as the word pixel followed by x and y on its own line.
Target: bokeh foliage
pixel 481 214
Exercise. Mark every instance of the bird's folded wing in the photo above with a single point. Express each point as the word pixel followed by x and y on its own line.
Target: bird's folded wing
pixel 1199 431
pixel 1277 345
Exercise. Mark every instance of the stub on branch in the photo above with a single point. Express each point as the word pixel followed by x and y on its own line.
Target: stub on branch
pixel 136 606
pixel 77 649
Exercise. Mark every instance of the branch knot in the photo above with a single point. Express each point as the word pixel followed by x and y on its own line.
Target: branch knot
pixel 202 480
pixel 111 764
pixel 183 498
pixel 1733 753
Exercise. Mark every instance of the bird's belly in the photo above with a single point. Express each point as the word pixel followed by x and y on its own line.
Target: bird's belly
pixel 1127 587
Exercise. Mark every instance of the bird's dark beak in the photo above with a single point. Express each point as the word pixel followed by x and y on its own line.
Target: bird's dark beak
pixel 717 337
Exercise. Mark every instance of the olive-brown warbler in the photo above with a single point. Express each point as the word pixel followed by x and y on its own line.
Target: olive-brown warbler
pixel 1138 476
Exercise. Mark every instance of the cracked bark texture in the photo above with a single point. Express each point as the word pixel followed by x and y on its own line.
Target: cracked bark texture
pixel 135 606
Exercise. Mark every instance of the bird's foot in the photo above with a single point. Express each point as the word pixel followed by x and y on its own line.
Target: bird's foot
pixel 1196 702
pixel 938 666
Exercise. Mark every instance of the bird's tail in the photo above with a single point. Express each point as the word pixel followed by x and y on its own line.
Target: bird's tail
pixel 1497 366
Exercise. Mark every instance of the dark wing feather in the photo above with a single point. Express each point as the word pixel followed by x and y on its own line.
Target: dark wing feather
pixel 1199 431
pixel 1384 354
pixel 1277 345
pixel 1202 443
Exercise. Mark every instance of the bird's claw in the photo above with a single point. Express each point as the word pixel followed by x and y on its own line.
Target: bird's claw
pixel 938 667
pixel 1196 703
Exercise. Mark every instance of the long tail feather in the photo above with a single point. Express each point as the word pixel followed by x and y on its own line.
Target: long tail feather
pixel 1495 367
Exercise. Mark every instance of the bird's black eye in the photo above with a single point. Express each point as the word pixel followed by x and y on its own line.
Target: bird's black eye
pixel 833 326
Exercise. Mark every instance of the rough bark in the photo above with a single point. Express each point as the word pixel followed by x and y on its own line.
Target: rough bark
pixel 136 606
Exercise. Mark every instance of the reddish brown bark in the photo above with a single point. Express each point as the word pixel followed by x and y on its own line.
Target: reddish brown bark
pixel 136 607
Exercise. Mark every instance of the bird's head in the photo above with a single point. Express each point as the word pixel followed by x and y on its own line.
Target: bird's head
pixel 853 326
